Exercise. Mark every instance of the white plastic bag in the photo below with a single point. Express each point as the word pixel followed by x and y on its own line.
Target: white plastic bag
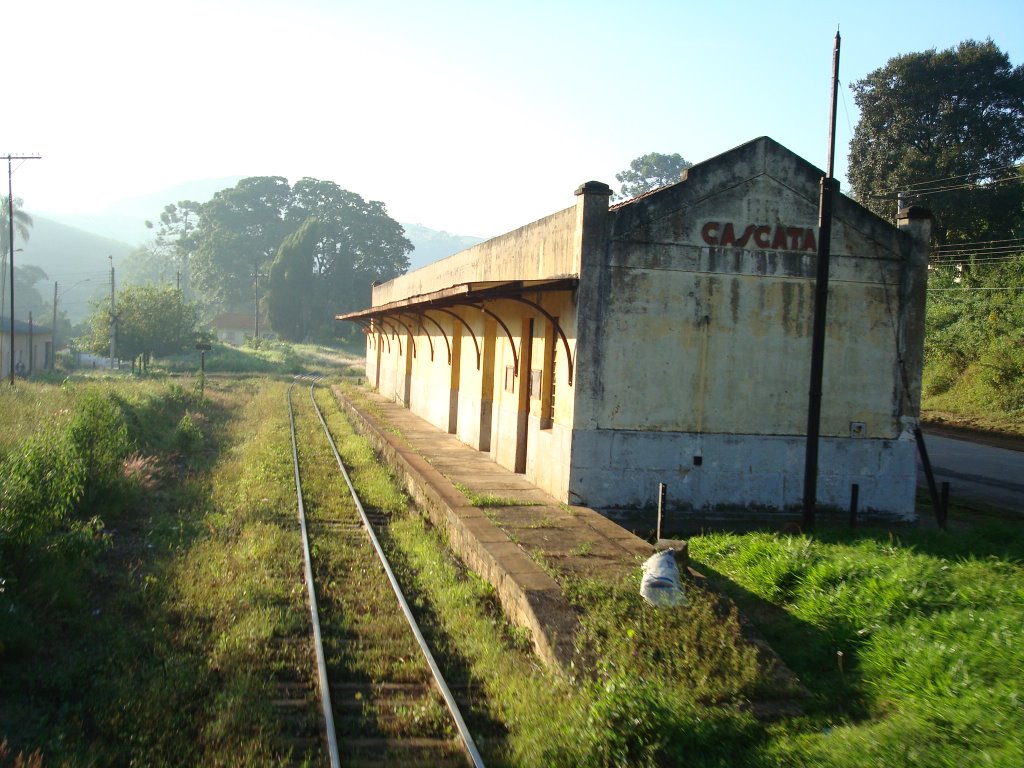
pixel 660 585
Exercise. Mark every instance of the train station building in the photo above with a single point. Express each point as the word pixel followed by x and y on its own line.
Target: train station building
pixel 603 350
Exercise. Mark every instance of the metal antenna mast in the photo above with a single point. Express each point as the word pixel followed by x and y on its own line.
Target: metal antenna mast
pixel 10 242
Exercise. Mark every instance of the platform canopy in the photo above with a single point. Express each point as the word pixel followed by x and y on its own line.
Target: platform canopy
pixel 411 312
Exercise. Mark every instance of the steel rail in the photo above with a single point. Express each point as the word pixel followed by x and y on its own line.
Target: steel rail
pixel 321 662
pixel 453 707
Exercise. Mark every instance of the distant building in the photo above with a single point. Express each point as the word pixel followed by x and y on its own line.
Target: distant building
pixel 604 350
pixel 237 327
pixel 33 348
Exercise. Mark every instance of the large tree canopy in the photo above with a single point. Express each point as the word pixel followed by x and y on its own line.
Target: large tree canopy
pixel 239 232
pixel 241 229
pixel 649 172
pixel 944 128
pixel 291 291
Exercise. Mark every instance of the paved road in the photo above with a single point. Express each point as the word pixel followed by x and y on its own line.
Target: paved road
pixel 975 471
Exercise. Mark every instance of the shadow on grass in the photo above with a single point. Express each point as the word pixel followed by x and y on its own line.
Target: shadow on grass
pixel 968 536
pixel 813 654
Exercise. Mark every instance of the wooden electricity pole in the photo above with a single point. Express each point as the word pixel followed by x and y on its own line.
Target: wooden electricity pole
pixel 825 201
pixel 10 242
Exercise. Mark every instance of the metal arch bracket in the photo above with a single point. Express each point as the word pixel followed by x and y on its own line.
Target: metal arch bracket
pixel 419 326
pixel 555 325
pixel 383 337
pixel 367 327
pixel 394 335
pixel 412 339
pixel 511 343
pixel 425 316
pixel 468 328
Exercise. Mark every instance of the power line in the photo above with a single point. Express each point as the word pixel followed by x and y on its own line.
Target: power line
pixel 910 187
pixel 978 242
pixel 934 186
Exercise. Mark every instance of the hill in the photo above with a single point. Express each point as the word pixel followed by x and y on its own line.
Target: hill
pixel 432 245
pixel 75 259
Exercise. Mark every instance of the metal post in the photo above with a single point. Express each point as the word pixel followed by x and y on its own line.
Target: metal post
pixel 662 496
pixel 854 497
pixel 31 348
pixel 256 304
pixel 929 475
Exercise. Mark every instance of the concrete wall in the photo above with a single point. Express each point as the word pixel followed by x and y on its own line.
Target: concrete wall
pixel 706 310
pixel 40 340
pixel 541 250
pixel 527 434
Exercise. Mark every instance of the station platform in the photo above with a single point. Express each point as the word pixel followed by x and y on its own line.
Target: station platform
pixel 497 522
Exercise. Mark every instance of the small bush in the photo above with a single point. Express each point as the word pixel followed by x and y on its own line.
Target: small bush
pixel 1003 373
pixel 99 433
pixel 187 435
pixel 41 486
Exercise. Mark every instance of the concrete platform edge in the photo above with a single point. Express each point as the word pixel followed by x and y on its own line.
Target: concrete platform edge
pixel 528 595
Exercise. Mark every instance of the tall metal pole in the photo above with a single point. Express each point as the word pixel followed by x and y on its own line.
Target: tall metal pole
pixel 10 241
pixel 113 314
pixel 827 192
pixel 10 246
pixel 53 330
pixel 256 304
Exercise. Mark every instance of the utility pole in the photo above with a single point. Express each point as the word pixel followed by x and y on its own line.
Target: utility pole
pixel 53 330
pixel 256 306
pixel 113 315
pixel 10 242
pixel 827 192
pixel 31 349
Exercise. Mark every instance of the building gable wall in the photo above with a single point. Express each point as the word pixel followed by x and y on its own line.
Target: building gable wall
pixel 707 315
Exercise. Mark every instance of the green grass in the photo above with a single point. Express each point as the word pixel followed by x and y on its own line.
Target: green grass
pixel 90 655
pixel 967 398
pixel 490 500
pixel 927 625
pixel 160 644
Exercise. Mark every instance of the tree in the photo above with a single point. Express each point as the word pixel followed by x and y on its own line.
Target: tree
pixel 241 229
pixel 650 172
pixel 26 278
pixel 291 285
pixel 945 127
pixel 22 224
pixel 176 239
pixel 238 233
pixel 151 322
pixel 358 243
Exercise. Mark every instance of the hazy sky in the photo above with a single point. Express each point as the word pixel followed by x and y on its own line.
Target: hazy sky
pixel 474 117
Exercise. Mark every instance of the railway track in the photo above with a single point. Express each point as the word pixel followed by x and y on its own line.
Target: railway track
pixel 382 696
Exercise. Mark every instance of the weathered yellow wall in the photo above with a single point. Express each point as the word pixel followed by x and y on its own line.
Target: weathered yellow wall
pixel 541 250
